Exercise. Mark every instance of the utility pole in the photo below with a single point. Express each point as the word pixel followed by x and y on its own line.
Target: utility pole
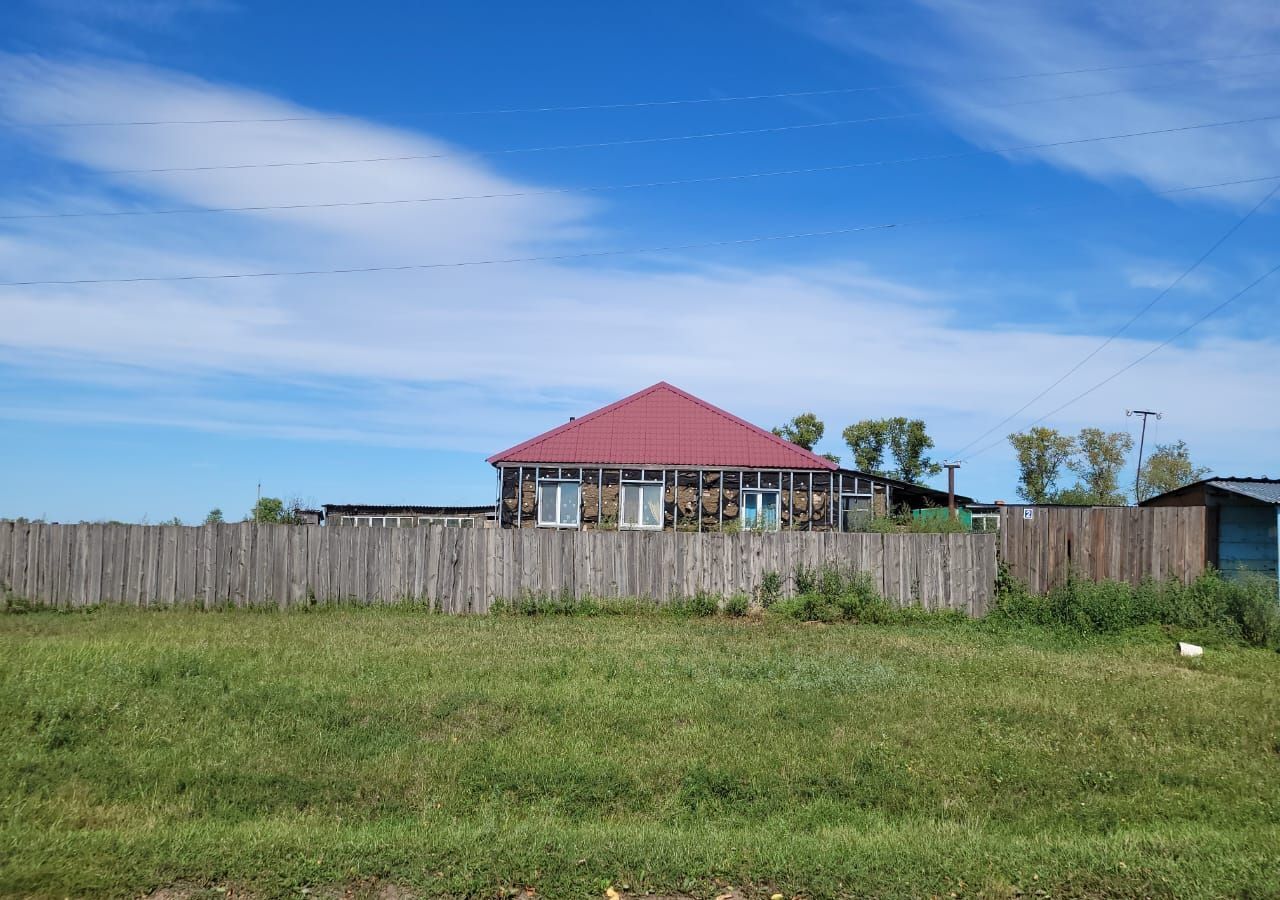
pixel 951 488
pixel 1137 478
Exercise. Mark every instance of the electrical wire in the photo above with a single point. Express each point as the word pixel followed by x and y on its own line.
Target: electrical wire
pixel 591 254
pixel 1145 356
pixel 1182 276
pixel 783 95
pixel 709 179
pixel 659 139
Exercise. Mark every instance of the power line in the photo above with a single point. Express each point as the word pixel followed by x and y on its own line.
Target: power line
pixel 1182 276
pixel 589 254
pixel 782 95
pixel 709 179
pixel 1160 346
pixel 659 139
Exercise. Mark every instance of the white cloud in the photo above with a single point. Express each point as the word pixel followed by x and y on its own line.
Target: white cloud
pixel 475 359
pixel 954 41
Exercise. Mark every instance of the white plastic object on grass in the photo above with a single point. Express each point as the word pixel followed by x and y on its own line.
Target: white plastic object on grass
pixel 1185 649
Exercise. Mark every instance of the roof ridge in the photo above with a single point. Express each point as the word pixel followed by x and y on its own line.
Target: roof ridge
pixel 575 422
pixel 724 413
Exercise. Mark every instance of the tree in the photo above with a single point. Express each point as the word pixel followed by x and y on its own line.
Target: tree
pixel 1167 468
pixel 906 440
pixel 804 430
pixel 214 517
pixel 1041 453
pixel 867 439
pixel 1099 457
pixel 268 510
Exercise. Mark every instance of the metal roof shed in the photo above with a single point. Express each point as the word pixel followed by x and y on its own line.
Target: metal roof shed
pixel 1247 516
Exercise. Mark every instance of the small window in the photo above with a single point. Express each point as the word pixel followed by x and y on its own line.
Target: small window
pixel 558 504
pixel 857 513
pixel 760 510
pixel 347 520
pixel 465 523
pixel 641 506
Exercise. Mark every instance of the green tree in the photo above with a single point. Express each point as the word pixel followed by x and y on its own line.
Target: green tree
pixel 804 430
pixel 1099 457
pixel 868 440
pixel 1167 468
pixel 214 517
pixel 268 510
pixel 906 440
pixel 1041 453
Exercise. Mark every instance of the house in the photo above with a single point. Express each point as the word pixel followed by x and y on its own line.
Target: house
pixel 406 516
pixel 1243 524
pixel 665 459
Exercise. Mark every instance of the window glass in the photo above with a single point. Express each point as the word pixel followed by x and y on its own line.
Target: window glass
pixel 465 523
pixel 347 520
pixel 760 510
pixel 651 517
pixel 642 505
pixel 558 503
pixel 547 503
pixel 568 503
pixel 630 505
pixel 857 513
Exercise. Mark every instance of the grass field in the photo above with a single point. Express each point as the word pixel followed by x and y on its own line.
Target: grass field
pixel 329 750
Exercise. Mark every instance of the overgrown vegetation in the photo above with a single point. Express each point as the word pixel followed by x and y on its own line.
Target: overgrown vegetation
pixel 1239 609
pixel 1231 610
pixel 312 752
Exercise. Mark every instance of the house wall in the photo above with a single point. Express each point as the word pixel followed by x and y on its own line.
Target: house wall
pixel 694 499
pixel 404 516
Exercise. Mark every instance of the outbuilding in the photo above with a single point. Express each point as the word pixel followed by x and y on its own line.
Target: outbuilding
pixel 1244 520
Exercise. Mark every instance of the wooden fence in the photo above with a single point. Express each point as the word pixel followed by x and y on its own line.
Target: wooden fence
pixel 462 569
pixel 1118 543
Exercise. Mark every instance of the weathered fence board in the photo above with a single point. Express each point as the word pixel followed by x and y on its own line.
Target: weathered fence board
pixel 466 570
pixel 1116 543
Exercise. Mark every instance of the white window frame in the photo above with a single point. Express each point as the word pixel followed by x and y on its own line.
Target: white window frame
pixel 870 510
pixel 777 507
pixel 987 519
pixel 622 505
pixel 556 523
pixel 447 521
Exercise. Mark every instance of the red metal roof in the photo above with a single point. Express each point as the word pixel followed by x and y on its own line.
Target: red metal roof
pixel 663 426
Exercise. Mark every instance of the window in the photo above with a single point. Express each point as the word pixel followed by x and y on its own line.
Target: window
pixel 857 513
pixel 641 505
pixel 760 510
pixel 347 520
pixel 986 522
pixel 447 521
pixel 558 504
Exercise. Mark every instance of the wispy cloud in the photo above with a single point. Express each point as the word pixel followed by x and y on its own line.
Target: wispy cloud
pixel 952 42
pixel 463 359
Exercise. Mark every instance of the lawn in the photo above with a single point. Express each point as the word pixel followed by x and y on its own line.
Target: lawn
pixel 319 751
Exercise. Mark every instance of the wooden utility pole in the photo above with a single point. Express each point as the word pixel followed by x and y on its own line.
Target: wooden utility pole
pixel 1137 478
pixel 951 488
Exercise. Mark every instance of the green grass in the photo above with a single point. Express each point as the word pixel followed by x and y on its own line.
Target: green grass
pixel 461 756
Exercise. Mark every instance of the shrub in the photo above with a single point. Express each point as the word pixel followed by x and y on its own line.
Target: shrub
pixel 1238 609
pixel 737 605
pixel 770 589
pixel 700 604
pixel 805 579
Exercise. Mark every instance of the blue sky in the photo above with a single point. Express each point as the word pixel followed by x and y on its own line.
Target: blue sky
pixel 125 400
